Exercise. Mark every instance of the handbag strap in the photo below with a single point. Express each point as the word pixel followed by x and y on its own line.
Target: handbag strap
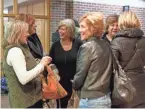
pixel 116 62
pixel 135 49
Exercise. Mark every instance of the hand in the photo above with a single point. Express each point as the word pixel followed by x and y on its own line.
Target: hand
pixel 46 60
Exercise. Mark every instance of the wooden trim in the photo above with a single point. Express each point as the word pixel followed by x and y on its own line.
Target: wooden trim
pixel 1 18
pixel 48 22
pixel 15 7
pixel 47 26
pixel 41 17
pixel 8 15
pixel 1 27
pixel 45 17
pixel 36 16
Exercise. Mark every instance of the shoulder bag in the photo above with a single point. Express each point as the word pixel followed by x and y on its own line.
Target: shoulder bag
pixel 52 89
pixel 124 91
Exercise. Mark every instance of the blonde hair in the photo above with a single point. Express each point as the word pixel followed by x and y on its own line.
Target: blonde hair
pixel 13 31
pixel 110 20
pixel 94 19
pixel 128 19
pixel 26 18
pixel 70 25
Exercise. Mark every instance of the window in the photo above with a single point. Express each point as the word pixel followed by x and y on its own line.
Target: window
pixel 38 8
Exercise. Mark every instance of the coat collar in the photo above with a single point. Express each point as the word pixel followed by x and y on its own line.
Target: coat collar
pixel 130 32
pixel 91 39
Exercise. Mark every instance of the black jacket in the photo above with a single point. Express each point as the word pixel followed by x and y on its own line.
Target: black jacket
pixel 35 46
pixel 123 47
pixel 105 37
pixel 65 61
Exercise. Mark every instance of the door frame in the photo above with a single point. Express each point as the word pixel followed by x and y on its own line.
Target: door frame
pixel 15 12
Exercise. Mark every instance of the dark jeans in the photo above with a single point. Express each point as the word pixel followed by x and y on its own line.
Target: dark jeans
pixel 37 105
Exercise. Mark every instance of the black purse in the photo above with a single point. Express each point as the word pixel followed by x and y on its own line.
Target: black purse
pixel 123 91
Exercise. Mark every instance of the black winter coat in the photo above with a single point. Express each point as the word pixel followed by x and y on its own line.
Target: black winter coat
pixel 123 46
pixel 35 46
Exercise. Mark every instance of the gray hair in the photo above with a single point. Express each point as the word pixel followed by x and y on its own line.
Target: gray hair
pixel 70 25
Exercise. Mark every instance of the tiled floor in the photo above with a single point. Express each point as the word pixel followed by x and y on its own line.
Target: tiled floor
pixel 4 101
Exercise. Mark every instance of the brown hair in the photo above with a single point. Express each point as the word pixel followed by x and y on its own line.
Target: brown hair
pixel 26 18
pixel 110 20
pixel 94 19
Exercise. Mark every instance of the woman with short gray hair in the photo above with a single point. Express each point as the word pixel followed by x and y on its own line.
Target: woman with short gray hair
pixel 70 25
pixel 63 53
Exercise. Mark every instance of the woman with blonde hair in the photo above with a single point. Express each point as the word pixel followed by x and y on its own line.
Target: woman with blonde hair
pixel 129 48
pixel 63 53
pixel 21 70
pixel 34 42
pixel 94 64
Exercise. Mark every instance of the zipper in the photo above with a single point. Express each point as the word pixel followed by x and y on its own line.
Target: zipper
pixel 65 57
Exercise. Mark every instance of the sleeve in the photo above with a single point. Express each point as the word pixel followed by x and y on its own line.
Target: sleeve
pixel 142 54
pixel 83 63
pixel 16 59
pixel 141 47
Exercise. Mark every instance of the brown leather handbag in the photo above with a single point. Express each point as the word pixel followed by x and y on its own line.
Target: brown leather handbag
pixel 52 89
pixel 123 91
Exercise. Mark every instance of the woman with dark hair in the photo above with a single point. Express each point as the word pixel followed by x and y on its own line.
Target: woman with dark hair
pixel 34 42
pixel 111 28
